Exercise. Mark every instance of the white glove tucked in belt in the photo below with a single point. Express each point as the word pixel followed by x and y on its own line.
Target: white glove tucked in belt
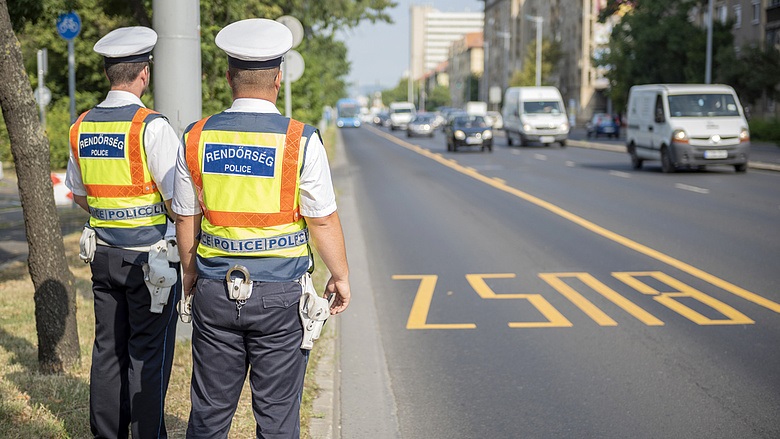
pixel 314 311
pixel 159 276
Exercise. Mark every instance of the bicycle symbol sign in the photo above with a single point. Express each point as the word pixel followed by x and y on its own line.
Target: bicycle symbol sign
pixel 68 25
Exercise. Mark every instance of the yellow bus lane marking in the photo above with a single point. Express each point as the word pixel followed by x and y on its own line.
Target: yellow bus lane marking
pixel 422 304
pixel 418 315
pixel 554 318
pixel 555 280
pixel 588 225
pixel 680 290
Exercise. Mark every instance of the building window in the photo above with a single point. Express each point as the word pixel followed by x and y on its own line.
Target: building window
pixel 722 13
pixel 756 12
pixel 737 16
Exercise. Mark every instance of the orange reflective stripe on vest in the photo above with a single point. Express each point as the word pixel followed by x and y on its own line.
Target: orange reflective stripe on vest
pixel 289 178
pixel 134 144
pixel 74 136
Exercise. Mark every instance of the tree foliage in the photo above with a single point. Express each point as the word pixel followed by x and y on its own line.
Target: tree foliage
pixel 753 72
pixel 439 96
pixel 551 55
pixel 323 81
pixel 655 42
pixel 399 93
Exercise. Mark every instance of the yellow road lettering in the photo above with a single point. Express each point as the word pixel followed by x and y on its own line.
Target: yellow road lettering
pixel 418 316
pixel 680 290
pixel 556 281
pixel 554 318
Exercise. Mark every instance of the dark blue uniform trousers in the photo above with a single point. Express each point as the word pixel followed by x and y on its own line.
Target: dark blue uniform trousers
pixel 133 350
pixel 264 341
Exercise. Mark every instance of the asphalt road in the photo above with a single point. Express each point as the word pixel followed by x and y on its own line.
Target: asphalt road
pixel 557 293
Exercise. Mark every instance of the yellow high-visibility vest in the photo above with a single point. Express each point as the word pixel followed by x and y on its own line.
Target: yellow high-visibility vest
pixel 126 209
pixel 246 170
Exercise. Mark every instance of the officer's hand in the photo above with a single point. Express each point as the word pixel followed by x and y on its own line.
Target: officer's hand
pixel 188 284
pixel 341 289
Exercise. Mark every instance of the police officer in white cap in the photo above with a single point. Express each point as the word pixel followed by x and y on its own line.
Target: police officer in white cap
pixel 121 171
pixel 252 187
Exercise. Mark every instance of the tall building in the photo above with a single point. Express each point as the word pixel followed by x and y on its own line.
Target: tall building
pixel 466 63
pixel 510 33
pixel 432 33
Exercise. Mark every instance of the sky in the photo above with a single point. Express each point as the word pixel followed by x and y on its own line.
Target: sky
pixel 379 53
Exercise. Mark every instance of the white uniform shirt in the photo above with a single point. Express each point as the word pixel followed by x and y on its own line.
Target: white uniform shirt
pixel 160 142
pixel 316 187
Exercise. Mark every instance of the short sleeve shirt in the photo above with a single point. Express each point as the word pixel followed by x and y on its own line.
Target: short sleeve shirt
pixel 316 187
pixel 160 142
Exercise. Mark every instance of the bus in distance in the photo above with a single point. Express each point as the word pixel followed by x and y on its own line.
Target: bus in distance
pixel 348 113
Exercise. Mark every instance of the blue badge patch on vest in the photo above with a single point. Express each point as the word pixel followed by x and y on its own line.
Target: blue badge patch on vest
pixel 249 160
pixel 102 145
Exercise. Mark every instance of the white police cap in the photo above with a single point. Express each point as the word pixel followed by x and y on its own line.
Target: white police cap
pixel 127 44
pixel 255 43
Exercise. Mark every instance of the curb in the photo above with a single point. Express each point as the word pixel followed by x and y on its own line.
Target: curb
pixel 323 407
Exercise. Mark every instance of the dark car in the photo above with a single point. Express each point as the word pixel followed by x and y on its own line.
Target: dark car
pixel 602 123
pixel 382 119
pixel 465 130
pixel 421 125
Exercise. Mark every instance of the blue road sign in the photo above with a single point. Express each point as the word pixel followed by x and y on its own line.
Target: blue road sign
pixel 69 25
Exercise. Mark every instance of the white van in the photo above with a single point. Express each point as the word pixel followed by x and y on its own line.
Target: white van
pixel 401 113
pixel 686 125
pixel 535 114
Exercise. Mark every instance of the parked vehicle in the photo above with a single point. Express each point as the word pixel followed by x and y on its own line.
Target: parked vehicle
pixel 602 123
pixel 535 114
pixel 421 125
pixel 465 130
pixel 400 115
pixel 686 125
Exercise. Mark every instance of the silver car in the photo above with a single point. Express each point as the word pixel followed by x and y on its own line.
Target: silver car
pixel 421 125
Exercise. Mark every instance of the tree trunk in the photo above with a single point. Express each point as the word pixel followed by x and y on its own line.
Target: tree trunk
pixel 55 297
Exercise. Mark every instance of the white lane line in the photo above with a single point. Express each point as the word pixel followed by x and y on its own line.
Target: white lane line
pixel 686 187
pixel 540 157
pixel 620 174
pixel 570 164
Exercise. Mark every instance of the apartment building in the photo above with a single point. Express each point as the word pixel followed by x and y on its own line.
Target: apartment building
pixel 510 30
pixel 432 34
pixel 465 67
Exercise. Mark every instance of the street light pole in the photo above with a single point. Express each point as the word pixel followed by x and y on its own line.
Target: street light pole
pixel 708 66
pixel 538 21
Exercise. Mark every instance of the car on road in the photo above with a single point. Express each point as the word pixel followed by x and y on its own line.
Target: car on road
pixel 421 125
pixel 464 130
pixel 400 115
pixel 604 124
pixel 382 118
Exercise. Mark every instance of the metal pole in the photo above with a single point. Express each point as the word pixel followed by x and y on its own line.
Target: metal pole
pixel 486 74
pixel 708 67
pixel 177 70
pixel 539 21
pixel 287 94
pixel 72 80
pixel 41 85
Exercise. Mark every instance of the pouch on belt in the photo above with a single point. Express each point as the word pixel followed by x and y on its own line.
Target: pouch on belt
pixel 159 276
pixel 314 311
